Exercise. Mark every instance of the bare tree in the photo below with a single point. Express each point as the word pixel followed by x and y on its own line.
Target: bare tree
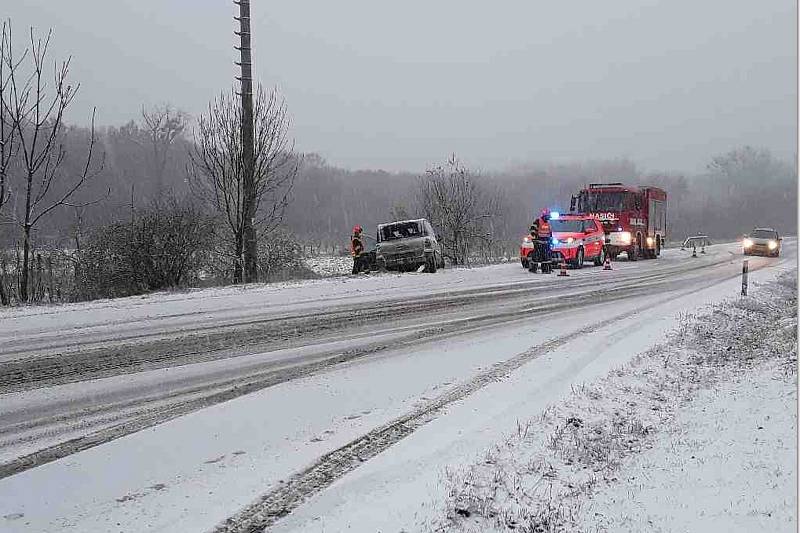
pixel 460 207
pixel 217 166
pixel 36 110
pixel 6 135
pixel 163 124
pixel 7 125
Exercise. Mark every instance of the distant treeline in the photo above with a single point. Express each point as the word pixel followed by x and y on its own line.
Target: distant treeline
pixel 739 189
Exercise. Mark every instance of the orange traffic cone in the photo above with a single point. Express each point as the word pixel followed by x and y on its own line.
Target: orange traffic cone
pixel 563 269
pixel 607 263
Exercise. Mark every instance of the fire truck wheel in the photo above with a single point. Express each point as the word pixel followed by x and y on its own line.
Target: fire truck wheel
pixel 579 257
pixel 658 247
pixel 631 252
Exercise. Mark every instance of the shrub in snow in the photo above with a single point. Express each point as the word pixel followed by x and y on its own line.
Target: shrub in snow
pixel 164 246
pixel 280 257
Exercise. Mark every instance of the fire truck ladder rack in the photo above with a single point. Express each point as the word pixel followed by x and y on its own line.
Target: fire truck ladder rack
pixel 599 185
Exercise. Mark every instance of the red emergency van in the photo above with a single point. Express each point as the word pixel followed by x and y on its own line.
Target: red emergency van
pixel 576 238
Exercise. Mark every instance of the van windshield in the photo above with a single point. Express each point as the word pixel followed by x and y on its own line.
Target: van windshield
pixel 401 230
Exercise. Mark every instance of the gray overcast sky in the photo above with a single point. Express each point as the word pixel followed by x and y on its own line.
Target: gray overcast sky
pixel 398 85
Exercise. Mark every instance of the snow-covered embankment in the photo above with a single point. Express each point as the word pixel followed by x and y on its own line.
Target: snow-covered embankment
pixel 696 434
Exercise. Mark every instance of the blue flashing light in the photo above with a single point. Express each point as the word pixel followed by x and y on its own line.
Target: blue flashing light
pixel 554 240
pixel 554 215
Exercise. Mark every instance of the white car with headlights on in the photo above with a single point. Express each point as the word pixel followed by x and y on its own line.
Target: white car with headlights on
pixel 762 241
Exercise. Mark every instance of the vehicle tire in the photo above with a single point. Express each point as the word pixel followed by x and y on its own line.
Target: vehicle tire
pixel 658 247
pixel 601 258
pixel 579 258
pixel 430 264
pixel 533 267
pixel 441 261
pixel 631 253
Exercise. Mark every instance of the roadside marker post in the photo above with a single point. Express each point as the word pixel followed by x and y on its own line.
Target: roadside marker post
pixel 563 272
pixel 694 250
pixel 745 270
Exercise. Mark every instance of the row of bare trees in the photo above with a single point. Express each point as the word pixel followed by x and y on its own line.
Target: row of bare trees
pixel 53 175
pixel 39 176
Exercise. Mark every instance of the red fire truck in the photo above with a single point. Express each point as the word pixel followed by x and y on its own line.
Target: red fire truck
pixel 634 218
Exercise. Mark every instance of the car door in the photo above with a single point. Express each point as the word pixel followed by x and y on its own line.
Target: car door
pixel 593 238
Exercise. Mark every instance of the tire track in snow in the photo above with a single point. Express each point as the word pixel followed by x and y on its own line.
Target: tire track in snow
pixel 146 412
pixel 213 342
pixel 142 417
pixel 289 495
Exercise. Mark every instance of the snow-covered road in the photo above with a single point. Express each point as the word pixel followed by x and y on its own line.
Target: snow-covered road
pixel 174 411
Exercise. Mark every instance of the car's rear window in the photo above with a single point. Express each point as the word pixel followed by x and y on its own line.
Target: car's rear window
pixel 401 230
pixel 764 234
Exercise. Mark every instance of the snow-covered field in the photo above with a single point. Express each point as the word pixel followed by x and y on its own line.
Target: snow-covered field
pixel 333 404
pixel 329 265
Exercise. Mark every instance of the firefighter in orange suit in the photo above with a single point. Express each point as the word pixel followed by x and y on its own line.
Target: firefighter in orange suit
pixel 542 234
pixel 357 248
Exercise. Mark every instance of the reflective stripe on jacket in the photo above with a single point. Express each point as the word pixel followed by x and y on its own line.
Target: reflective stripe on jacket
pixel 356 245
pixel 544 229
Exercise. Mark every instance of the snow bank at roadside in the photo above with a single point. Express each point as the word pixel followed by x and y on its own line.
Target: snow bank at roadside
pixel 727 463
pixel 542 477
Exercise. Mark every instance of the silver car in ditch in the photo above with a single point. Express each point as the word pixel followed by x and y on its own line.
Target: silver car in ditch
pixel 408 245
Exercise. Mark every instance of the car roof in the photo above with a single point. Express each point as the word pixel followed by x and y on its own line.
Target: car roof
pixel 764 229
pixel 400 222
pixel 576 216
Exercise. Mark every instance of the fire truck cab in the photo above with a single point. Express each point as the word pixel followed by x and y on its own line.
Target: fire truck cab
pixel 634 218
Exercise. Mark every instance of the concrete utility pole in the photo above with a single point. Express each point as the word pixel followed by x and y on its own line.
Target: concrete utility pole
pixel 248 151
